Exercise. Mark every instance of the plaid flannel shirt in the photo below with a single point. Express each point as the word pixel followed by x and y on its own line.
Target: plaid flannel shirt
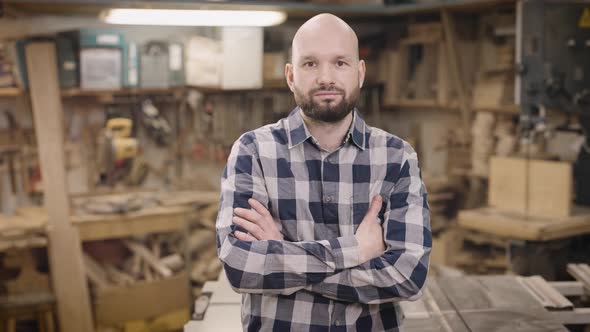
pixel 313 280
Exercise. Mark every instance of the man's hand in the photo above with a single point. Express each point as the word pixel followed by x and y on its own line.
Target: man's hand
pixel 369 234
pixel 257 222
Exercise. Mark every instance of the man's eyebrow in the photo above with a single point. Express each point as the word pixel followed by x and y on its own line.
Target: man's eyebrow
pixel 306 58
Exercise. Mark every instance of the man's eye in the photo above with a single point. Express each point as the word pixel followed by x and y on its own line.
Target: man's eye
pixel 340 63
pixel 309 64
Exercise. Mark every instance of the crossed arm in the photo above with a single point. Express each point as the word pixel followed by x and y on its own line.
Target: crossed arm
pixel 337 268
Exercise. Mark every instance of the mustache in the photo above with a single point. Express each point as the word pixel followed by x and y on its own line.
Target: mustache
pixel 326 88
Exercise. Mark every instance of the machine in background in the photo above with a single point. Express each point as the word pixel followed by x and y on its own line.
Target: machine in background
pixel 553 72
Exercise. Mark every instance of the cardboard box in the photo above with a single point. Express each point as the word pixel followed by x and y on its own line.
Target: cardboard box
pixel 233 63
pixel 531 187
pixel 242 57
pixel 203 62
pixel 143 300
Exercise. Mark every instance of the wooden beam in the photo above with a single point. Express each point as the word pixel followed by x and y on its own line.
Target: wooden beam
pixel 568 288
pixel 451 48
pixel 65 252
pixel 148 257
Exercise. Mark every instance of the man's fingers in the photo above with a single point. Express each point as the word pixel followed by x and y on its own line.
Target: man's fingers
pixel 261 209
pixel 375 206
pixel 244 237
pixel 247 214
pixel 252 228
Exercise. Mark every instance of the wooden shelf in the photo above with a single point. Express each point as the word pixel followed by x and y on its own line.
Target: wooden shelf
pixel 507 109
pixel 76 92
pixel 420 104
pixel 10 92
pixel 98 227
pixel 433 105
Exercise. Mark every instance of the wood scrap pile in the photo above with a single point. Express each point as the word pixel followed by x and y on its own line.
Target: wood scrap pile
pixel 469 251
pixel 482 254
pixel 201 243
pixel 18 232
pixel 441 200
pixel 113 203
pixel 483 142
pixel 126 262
pixel 494 87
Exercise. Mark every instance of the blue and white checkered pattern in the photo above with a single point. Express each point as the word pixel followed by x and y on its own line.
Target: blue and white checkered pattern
pixel 312 281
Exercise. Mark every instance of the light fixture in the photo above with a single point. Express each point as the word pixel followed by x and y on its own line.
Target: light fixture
pixel 186 17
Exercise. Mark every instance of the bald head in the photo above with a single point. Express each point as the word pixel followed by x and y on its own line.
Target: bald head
pixel 321 28
pixel 325 73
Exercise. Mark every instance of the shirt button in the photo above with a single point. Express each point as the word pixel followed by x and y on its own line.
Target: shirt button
pixel 328 199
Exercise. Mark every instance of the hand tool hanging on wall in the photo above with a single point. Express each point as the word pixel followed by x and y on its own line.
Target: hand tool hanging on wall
pixel 156 125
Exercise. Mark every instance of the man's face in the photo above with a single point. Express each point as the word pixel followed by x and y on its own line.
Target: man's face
pixel 326 75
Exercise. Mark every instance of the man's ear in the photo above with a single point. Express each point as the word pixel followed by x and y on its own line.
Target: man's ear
pixel 362 71
pixel 289 75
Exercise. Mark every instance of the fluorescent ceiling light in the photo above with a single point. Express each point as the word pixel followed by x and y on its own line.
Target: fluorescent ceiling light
pixel 183 17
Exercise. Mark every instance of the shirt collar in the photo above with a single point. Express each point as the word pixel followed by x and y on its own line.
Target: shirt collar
pixel 298 133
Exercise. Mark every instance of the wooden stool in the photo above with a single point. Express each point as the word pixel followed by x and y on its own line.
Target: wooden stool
pixel 39 306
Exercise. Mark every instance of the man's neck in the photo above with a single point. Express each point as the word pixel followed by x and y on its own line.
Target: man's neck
pixel 329 135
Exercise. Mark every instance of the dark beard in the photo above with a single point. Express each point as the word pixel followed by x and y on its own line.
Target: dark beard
pixel 322 111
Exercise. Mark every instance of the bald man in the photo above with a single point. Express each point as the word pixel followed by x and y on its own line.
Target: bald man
pixel 323 223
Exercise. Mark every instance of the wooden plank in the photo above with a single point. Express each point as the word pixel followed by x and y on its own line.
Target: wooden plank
pixel 10 92
pixel 550 188
pixel 507 187
pixel 21 224
pixel 65 252
pixel 443 86
pixel 96 273
pixel 582 273
pixel 488 92
pixel 548 296
pixel 396 61
pixel 504 109
pixel 454 69
pixel 533 187
pixel 568 288
pixel 522 227
pixel 189 197
pixel 97 227
pixel 153 220
pixel 149 258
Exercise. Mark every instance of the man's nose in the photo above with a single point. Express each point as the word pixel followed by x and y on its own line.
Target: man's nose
pixel 325 75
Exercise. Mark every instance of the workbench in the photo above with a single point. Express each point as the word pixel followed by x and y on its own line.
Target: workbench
pixel 517 226
pixel 534 245
pixel 449 304
pixel 28 227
